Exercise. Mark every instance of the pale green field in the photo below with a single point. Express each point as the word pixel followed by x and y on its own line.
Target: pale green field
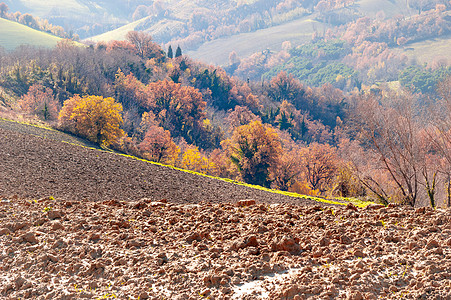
pixel 428 51
pixel 116 34
pixel 389 7
pixel 297 32
pixel 13 34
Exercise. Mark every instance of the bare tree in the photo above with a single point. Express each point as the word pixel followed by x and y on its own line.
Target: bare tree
pixel 144 46
pixel 388 127
pixel 439 132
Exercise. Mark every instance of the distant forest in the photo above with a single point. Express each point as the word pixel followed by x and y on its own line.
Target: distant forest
pixel 357 53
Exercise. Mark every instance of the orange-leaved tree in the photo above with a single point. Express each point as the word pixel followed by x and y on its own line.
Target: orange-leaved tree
pixel 40 101
pixel 179 109
pixel 93 117
pixel 255 151
pixel 158 146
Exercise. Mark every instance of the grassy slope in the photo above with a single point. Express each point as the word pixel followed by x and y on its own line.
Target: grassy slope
pixel 297 32
pixel 117 34
pixel 13 34
pixel 428 50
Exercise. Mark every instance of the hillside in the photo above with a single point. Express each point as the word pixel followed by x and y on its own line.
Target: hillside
pixel 427 51
pixel 75 14
pixel 33 166
pixel 217 52
pixel 80 223
pixel 13 34
pixel 296 26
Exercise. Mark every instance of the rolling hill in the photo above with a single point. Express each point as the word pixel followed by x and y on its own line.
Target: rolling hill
pixel 74 14
pixel 67 167
pixel 297 32
pixel 216 51
pixel 13 34
pixel 175 16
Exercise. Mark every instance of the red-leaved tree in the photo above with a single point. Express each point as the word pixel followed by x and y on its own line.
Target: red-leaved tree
pixel 41 102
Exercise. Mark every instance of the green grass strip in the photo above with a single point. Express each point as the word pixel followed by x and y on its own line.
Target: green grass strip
pixel 335 201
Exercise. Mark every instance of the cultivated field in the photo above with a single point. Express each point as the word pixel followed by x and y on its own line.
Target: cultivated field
pixel 79 223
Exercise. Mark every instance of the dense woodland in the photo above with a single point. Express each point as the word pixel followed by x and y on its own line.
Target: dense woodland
pixel 315 124
pixel 282 134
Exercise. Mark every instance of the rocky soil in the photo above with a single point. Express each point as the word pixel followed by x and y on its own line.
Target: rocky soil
pixel 147 249
pixel 76 223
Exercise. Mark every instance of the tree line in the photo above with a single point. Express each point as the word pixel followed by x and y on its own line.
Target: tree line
pixel 34 22
pixel 283 134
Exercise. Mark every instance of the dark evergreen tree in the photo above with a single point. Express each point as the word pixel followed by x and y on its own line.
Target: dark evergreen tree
pixel 170 53
pixel 178 52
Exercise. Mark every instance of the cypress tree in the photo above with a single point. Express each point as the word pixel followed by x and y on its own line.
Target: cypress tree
pixel 170 53
pixel 178 52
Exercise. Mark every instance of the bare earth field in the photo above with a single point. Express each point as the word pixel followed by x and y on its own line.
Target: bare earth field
pixel 33 167
pixel 76 223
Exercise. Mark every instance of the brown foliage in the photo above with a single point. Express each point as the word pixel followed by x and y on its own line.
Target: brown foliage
pixel 179 109
pixel 41 102
pixel 144 46
pixel 158 146
pixel 320 165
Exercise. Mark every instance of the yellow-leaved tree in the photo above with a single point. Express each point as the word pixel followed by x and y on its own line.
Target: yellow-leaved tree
pixel 254 149
pixel 194 160
pixel 94 117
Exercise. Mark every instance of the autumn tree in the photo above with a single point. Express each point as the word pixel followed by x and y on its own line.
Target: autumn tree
pixel 255 151
pixel 96 118
pixel 285 87
pixel 239 116
pixel 388 127
pixel 319 162
pixel 288 169
pixel 196 161
pixel 29 21
pixel 3 9
pixel 40 101
pixel 158 146
pixel 439 133
pixel 179 109
pixel 144 45
pixel 131 92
